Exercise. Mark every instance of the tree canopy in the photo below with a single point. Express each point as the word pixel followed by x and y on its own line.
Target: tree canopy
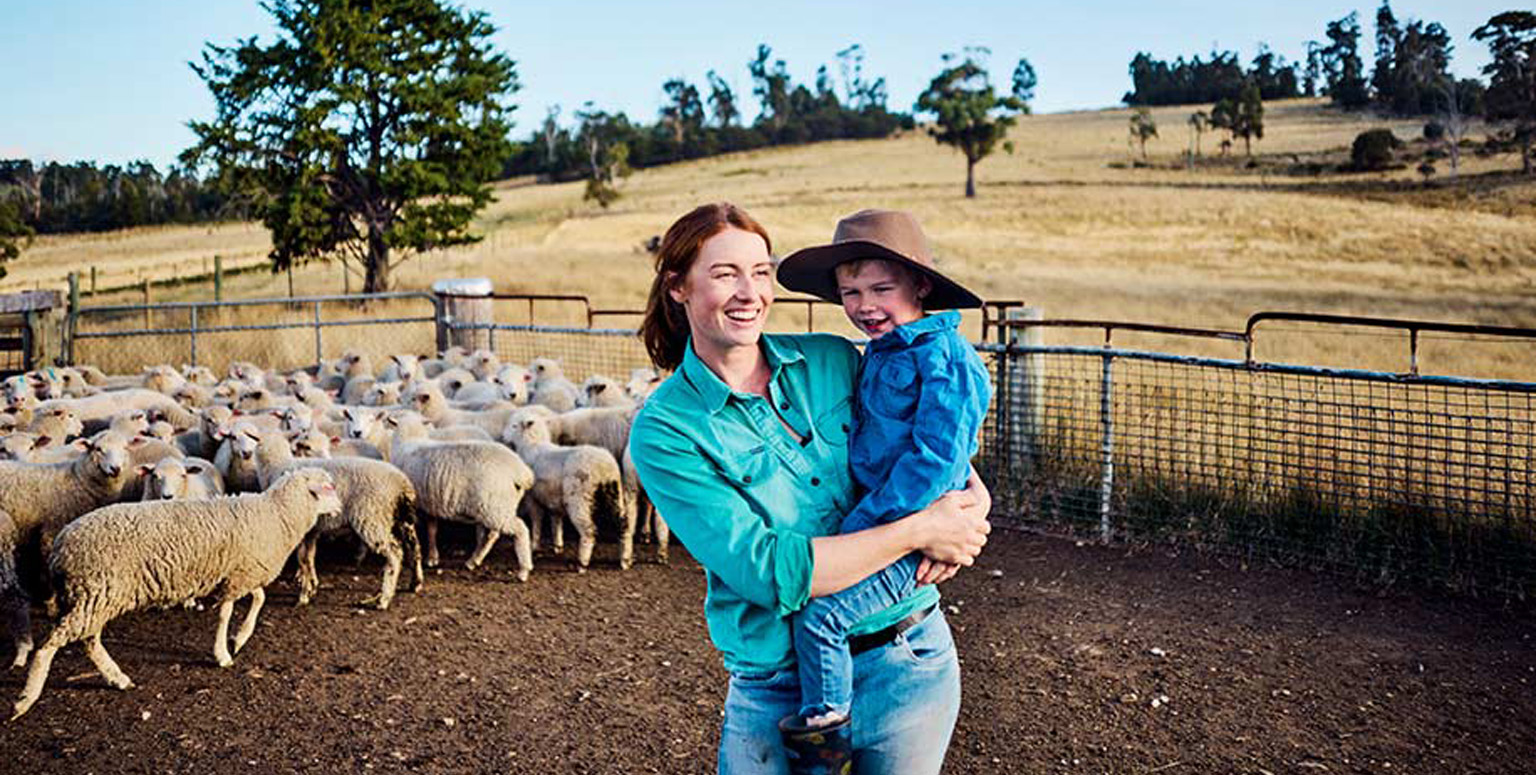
pixel 1511 96
pixel 365 128
pixel 969 115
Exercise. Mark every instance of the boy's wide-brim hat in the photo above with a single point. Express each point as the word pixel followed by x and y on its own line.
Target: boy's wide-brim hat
pixel 891 235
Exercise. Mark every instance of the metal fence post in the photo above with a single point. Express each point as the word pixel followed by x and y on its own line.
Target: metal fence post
pixel 194 335
pixel 319 359
pixel 218 278
pixel 71 319
pixel 1107 446
pixel 1028 391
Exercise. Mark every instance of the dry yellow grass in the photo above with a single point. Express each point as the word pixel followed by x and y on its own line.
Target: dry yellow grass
pixel 1054 223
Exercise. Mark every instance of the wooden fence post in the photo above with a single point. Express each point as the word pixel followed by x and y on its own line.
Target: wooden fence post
pixel 218 278
pixel 464 301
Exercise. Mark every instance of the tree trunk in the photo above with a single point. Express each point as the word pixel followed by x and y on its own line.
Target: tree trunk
pixel 376 280
pixel 1525 155
pixel 970 178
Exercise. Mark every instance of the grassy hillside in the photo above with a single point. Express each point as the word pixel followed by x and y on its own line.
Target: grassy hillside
pixel 1066 222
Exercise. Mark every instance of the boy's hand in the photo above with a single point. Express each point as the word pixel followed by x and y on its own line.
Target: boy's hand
pixel 935 572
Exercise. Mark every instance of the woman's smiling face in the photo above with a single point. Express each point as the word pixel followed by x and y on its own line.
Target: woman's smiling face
pixel 727 291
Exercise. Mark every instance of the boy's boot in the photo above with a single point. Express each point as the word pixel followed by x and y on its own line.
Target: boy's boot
pixel 817 750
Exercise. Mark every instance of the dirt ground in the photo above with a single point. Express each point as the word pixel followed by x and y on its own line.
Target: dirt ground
pixel 1075 659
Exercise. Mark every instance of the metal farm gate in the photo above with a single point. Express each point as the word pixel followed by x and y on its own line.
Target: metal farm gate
pixel 1382 476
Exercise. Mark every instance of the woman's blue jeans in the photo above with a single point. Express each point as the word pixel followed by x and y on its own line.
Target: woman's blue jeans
pixel 906 697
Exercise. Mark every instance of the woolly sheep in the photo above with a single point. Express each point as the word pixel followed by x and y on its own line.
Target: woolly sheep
pixel 175 478
pixel 483 364
pixel 512 383
pixel 382 394
pixel 236 458
pixel 37 500
pixel 59 423
pixel 642 382
pixel 572 483
pixel 447 359
pixel 434 407
pixel 130 556
pixel 602 391
pixel 364 425
pixel 103 406
pixel 400 368
pixel 201 376
pixel 478 393
pixel 379 506
pixel 550 387
pixel 465 481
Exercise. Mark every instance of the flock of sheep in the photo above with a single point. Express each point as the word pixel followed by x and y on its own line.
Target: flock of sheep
pixel 119 493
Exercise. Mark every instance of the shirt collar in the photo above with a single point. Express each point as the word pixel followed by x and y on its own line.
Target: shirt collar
pixel 904 334
pixel 712 390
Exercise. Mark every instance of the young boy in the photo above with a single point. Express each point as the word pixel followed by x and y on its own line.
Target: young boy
pixel 922 397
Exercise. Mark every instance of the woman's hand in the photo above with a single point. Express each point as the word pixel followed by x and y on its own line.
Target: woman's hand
pixel 955 528
pixel 930 572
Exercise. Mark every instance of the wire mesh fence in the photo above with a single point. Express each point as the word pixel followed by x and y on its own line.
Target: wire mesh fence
pixel 276 333
pixel 1386 477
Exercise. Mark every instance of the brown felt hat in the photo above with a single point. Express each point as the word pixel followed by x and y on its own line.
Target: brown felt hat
pixel 891 235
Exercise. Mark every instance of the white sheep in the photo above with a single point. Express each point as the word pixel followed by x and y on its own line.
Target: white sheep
pixel 478 394
pixel 175 478
pixel 199 375
pixel 603 391
pixel 401 368
pixel 465 481
pixel 447 359
pixel 550 387
pixel 512 383
pixel 572 483
pixel 130 556
pixel 434 407
pixel 101 407
pixel 236 458
pixel 379 506
pixel 642 382
pixel 37 500
pixel 365 425
pixel 59 423
pixel 483 364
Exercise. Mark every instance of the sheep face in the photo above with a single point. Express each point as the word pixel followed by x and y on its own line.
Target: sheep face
pixel 107 453
pixel 131 423
pixel 406 366
pixel 199 375
pixel 168 479
pixel 254 400
pixel 243 441
pixel 512 383
pixel 382 394
pixel 215 422
pixel 358 424
pixel 296 418
pixel 527 431
pixel 546 368
pixel 311 444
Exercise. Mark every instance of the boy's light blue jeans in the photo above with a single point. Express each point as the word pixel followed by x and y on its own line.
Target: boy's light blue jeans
pixel 906 700
pixel 821 634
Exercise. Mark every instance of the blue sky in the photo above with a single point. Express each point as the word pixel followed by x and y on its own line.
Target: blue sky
pixel 108 79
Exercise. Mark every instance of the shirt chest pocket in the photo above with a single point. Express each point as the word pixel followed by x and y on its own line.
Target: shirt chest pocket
pixel 894 391
pixel 750 469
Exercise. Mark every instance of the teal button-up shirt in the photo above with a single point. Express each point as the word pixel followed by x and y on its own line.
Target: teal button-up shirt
pixel 746 498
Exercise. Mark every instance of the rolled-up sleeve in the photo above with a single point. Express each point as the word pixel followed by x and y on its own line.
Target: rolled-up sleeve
pixel 768 567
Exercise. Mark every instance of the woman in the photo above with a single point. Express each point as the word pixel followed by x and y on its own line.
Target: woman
pixel 744 452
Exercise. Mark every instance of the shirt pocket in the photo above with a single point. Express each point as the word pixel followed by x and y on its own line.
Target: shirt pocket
pixel 749 469
pixel 895 389
pixel 836 424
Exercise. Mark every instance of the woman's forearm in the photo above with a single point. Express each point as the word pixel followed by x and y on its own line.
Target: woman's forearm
pixel 840 561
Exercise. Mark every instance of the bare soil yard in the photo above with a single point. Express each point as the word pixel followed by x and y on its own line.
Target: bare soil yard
pixel 1075 659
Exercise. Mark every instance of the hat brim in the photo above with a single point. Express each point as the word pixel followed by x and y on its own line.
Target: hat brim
pixel 809 270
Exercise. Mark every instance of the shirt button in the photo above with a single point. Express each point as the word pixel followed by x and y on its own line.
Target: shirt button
pixel 784 405
pixel 815 481
pixel 747 478
pixel 845 427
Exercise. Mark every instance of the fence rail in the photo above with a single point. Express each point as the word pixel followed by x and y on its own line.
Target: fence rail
pixel 1385 476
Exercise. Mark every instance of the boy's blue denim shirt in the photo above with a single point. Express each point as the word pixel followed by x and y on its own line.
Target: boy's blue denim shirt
pixel 922 397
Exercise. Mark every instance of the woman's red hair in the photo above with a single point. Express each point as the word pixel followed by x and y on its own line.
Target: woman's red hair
pixel 665 327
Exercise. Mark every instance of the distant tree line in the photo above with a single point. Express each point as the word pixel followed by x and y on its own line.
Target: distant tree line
pixel 81 197
pixel 696 122
pixel 1185 82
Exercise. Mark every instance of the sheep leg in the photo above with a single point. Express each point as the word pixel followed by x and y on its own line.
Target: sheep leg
pixel 432 558
pixel 36 677
pixel 68 630
pixel 405 534
pixel 523 549
pixel 309 581
pixel 104 664
pixel 221 635
pixel 19 619
pixel 248 626
pixel 535 518
pixel 393 557
pixel 578 505
pixel 557 527
pixel 663 536
pixel 485 540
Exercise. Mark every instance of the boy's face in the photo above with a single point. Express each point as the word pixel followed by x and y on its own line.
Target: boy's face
pixel 880 295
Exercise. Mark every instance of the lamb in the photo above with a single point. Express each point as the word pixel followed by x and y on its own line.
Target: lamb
pixel 236 457
pixel 512 383
pixel 175 478
pixel 201 376
pixel 60 424
pixel 193 396
pixel 483 364
pixel 313 443
pixel 103 406
pixel 432 406
pixel 642 382
pixel 379 506
pixel 447 359
pixel 401 368
pixel 572 483
pixel 130 556
pixel 602 391
pixel 478 393
pixel 550 387
pixel 366 426
pixel 382 394
pixel 37 500
pixel 467 481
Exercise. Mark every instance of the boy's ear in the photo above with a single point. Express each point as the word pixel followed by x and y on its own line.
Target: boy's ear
pixel 924 286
